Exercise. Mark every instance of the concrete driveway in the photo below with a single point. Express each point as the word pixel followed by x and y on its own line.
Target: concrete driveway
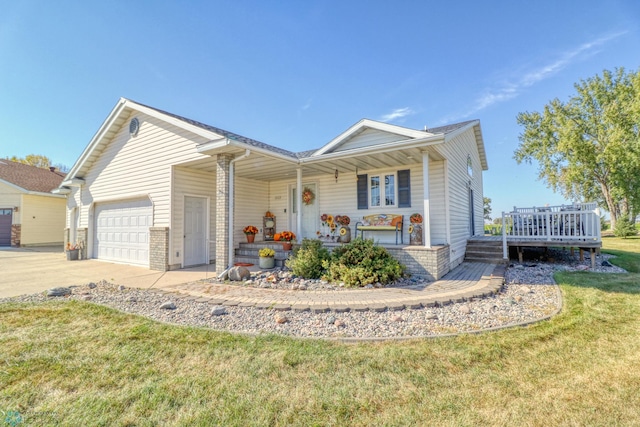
pixel 31 270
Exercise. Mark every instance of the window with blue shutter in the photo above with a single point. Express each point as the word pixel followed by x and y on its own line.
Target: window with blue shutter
pixel 404 189
pixel 363 200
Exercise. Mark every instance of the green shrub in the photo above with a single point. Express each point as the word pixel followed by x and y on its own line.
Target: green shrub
pixel 625 228
pixel 360 263
pixel 306 261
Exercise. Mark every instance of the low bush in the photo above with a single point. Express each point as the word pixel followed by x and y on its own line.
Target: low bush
pixel 360 263
pixel 624 228
pixel 306 261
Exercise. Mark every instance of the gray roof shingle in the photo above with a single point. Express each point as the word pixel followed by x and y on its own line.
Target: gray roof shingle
pixel 300 155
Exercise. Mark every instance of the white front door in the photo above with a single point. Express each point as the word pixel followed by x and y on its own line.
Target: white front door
pixel 195 231
pixel 310 215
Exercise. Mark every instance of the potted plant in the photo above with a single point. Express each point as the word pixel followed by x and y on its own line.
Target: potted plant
pixel 287 237
pixel 415 229
pixel 267 258
pixel 72 250
pixel 344 234
pixel 250 231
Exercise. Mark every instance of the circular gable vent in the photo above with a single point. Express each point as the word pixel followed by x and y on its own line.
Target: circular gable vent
pixel 134 126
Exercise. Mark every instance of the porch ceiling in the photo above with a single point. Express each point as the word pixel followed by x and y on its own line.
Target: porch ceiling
pixel 261 167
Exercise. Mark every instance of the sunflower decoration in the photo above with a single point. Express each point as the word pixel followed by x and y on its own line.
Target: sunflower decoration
pixel 343 231
pixel 411 229
pixel 343 220
pixel 324 217
pixel 330 220
pixel 333 226
pixel 307 196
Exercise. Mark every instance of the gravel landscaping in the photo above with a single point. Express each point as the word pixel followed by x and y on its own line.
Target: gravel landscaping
pixel 529 294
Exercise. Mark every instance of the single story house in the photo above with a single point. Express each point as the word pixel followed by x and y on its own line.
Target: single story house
pixel 30 215
pixel 162 191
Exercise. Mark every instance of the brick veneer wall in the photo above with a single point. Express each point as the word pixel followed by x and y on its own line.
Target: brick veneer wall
pixel 16 231
pixel 82 234
pixel 222 210
pixel 431 263
pixel 159 248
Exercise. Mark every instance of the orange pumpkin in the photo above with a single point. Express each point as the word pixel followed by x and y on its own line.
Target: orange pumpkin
pixel 276 237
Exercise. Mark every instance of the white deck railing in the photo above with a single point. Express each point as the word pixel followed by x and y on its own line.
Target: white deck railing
pixel 577 222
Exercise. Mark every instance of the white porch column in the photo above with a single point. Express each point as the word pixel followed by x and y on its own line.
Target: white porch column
pixel 426 223
pixel 299 205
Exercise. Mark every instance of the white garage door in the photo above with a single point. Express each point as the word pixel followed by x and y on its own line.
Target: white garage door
pixel 122 231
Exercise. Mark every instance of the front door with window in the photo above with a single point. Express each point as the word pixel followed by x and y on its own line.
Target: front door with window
pixel 195 231
pixel 310 215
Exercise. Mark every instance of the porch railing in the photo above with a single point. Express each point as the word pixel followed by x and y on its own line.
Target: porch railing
pixel 577 222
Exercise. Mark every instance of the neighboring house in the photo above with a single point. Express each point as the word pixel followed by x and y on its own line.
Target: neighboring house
pixel 30 215
pixel 163 191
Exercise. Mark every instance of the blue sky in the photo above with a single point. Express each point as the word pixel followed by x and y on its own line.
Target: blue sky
pixel 295 74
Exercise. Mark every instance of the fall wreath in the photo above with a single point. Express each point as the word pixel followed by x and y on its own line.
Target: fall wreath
pixel 307 196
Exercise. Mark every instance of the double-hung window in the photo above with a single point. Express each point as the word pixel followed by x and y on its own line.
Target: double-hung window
pixel 382 189
pixel 392 189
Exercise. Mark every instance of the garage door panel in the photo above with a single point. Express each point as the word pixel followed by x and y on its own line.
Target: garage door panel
pixel 122 231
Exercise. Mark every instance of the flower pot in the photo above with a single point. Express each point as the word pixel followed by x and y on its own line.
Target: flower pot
pixel 72 254
pixel 251 238
pixel 344 234
pixel 415 234
pixel 266 262
pixel 286 246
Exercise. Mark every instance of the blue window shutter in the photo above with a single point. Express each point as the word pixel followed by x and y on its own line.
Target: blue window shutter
pixel 404 189
pixel 363 199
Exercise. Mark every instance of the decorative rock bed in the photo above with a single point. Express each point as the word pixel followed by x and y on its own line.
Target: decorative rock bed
pixel 529 294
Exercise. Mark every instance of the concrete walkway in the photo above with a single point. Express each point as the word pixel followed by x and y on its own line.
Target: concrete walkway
pixel 467 281
pixel 31 270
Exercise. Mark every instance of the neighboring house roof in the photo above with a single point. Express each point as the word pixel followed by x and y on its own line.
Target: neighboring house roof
pixel 30 178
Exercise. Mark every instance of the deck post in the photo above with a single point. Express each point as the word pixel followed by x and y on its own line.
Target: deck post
pixel 505 250
pixel 299 205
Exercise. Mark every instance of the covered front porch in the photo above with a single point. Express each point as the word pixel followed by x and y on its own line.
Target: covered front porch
pixel 299 190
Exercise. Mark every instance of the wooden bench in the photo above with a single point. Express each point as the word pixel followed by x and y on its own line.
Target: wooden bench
pixel 380 222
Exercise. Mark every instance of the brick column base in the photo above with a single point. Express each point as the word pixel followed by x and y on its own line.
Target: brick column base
pixel 16 231
pixel 159 248
pixel 82 234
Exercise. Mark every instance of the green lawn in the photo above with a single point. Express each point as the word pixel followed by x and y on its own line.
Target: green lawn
pixel 79 364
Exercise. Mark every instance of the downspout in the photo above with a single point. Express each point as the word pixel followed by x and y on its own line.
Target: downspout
pixel 232 203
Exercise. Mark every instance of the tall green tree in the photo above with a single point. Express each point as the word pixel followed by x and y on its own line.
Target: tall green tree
pixel 588 148
pixel 37 160
pixel 487 208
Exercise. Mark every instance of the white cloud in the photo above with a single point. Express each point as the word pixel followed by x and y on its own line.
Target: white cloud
pixel 398 113
pixel 512 89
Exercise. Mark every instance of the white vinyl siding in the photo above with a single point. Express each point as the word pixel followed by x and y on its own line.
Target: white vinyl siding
pixel 141 165
pixel 191 182
pixel 437 203
pixel 251 203
pixel 368 138
pixel 339 198
pixel 457 151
